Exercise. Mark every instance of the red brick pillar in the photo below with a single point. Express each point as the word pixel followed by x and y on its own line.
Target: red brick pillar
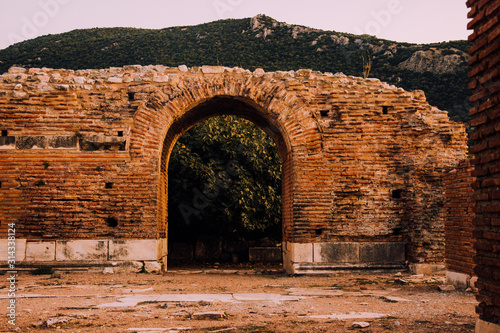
pixel 459 227
pixel 484 74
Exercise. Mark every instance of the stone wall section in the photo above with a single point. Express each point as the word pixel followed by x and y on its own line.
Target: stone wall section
pixel 459 227
pixel 84 154
pixel 484 75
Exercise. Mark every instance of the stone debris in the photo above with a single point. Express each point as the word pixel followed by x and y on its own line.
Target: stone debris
pixel 58 320
pixel 152 267
pixel 213 315
pixel 446 288
pixel 400 281
pixel 108 270
pixel 361 324
pixel 397 299
pixel 472 282
pixel 137 266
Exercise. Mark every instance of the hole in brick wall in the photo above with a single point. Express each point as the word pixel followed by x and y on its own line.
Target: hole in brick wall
pixel 319 232
pixel 397 194
pixel 5 133
pixel 112 222
pixel 120 133
pixel 385 109
pixel 323 113
pixel 446 138
pixel 0 184
pixel 108 185
pixel 131 96
pixel 397 231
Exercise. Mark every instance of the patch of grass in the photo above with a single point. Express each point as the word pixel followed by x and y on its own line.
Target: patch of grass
pixel 44 270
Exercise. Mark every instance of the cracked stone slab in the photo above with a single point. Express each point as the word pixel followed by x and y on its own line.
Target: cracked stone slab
pixel 266 297
pixel 133 300
pixel 397 299
pixel 351 315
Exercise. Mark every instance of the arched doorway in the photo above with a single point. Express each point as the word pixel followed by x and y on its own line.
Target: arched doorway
pixel 217 106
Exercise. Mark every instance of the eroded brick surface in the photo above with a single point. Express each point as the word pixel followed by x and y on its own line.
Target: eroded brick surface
pixel 459 226
pixel 362 160
pixel 484 75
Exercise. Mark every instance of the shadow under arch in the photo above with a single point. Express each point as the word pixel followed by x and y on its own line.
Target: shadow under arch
pixel 218 106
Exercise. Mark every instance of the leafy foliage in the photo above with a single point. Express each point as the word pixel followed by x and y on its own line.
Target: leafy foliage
pixel 225 179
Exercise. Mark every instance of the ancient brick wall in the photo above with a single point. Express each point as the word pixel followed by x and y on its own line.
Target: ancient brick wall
pixel 459 227
pixel 84 155
pixel 484 75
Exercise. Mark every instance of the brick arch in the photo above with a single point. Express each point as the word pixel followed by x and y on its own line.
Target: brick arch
pixel 271 99
pixel 265 102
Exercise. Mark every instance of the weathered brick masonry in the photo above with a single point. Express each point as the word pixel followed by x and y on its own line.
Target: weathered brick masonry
pixel 459 209
pixel 84 159
pixel 484 75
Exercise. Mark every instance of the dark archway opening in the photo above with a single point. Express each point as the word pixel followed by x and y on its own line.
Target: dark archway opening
pixel 224 185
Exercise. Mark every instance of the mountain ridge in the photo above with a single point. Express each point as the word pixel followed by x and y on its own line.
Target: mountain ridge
pixel 440 69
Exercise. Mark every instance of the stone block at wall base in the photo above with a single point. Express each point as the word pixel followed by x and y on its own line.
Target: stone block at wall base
pixel 458 280
pixel 428 269
pixel 486 327
pixel 331 257
pixel 83 251
pixel 40 251
pixel 6 250
pixel 133 249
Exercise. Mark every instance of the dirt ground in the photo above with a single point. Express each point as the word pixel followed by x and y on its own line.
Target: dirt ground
pixel 236 299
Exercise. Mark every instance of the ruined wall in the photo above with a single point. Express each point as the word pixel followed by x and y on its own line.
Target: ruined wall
pixel 459 210
pixel 484 75
pixel 84 156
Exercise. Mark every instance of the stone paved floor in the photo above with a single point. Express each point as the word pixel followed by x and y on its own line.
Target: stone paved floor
pixel 232 300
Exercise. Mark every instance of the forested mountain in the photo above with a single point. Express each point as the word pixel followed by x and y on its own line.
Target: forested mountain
pixel 438 69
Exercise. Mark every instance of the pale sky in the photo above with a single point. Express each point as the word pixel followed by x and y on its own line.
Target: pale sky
pixel 416 21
